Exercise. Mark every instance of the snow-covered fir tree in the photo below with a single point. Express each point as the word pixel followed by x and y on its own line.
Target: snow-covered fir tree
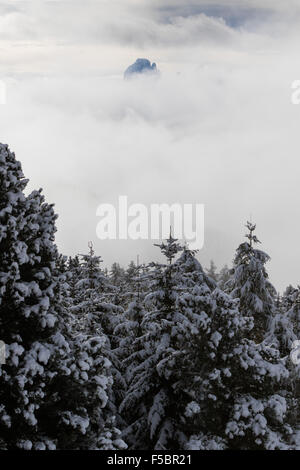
pixel 130 326
pixel 132 281
pixel 127 332
pixel 132 271
pixel 288 296
pixel 291 307
pixel 224 369
pixel 223 279
pixel 117 274
pixel 96 315
pixel 43 403
pixel 250 284
pixel 236 386
pixel 92 297
pixel 150 401
pixel 212 271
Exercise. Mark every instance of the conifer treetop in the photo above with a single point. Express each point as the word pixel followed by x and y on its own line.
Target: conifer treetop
pixel 251 237
pixel 170 248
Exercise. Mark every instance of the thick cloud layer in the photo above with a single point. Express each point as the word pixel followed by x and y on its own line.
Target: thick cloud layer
pixel 217 127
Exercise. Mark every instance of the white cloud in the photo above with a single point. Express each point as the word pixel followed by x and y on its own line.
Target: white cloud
pixel 217 128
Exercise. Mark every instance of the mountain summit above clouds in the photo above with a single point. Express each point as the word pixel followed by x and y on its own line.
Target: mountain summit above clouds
pixel 140 66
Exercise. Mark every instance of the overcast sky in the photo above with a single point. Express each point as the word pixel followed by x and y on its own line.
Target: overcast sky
pixel 217 128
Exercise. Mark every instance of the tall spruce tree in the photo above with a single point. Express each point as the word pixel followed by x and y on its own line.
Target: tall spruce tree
pixel 127 332
pixel 150 401
pixel 224 371
pixel 96 318
pixel 251 285
pixel 43 401
pixel 92 299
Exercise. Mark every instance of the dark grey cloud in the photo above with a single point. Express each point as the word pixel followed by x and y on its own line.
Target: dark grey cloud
pixel 141 24
pixel 97 22
pixel 234 16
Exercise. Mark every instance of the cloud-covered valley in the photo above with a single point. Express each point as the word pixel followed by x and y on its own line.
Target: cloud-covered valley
pixel 217 127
